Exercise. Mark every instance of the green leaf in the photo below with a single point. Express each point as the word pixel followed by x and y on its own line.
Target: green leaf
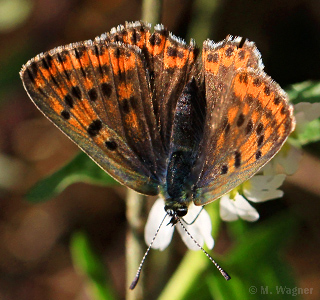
pixel 81 168
pixel 307 91
pixel 87 262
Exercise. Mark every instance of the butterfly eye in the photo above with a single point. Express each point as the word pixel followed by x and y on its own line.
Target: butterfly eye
pixel 169 210
pixel 182 211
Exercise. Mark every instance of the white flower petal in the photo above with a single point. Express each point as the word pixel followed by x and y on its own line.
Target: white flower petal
pixel 244 209
pixel 205 226
pixel 232 209
pixel 228 211
pixel 261 188
pixel 200 229
pixel 155 217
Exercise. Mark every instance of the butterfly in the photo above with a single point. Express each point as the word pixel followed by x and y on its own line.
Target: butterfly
pixel 159 115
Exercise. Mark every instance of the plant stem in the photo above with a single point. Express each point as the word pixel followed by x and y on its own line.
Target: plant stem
pixel 152 11
pixel 135 246
pixel 202 23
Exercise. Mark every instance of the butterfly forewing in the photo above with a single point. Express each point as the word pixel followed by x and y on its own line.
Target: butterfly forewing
pixel 116 98
pixel 98 94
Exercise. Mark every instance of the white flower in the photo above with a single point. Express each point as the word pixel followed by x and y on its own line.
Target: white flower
pixel 200 229
pixel 257 189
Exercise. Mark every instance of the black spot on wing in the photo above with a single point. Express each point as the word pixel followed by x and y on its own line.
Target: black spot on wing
pixel 240 120
pixel 45 64
pixel 277 100
pixel 229 51
pixel 259 128
pixel 267 91
pixel 68 100
pixel 243 78
pixel 94 128
pixel 155 40
pixel 249 127
pixel 111 145
pixel 213 58
pixel 106 89
pixel 242 41
pixel 31 76
pixel 283 110
pixel 125 107
pixel 93 95
pixel 258 154
pixel 174 52
pixel 224 169
pixel 65 114
pixel 79 51
pixel 32 72
pixel 76 92
pixel 227 128
pixel 237 159
pixel 257 82
pixel 260 140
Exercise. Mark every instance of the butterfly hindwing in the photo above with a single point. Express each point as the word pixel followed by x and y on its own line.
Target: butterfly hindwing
pixel 171 64
pixel 249 121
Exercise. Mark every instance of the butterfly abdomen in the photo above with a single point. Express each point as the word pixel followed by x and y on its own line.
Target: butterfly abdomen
pixel 178 173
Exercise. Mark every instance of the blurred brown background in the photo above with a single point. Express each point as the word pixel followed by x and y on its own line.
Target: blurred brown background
pixel 34 250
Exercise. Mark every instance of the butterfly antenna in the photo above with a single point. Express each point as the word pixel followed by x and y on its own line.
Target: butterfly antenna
pixel 195 219
pixel 136 278
pixel 223 272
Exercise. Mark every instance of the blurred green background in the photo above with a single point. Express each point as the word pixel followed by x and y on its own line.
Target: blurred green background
pixel 35 259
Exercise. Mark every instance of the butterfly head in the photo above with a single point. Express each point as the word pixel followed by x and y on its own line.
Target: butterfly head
pixel 175 210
